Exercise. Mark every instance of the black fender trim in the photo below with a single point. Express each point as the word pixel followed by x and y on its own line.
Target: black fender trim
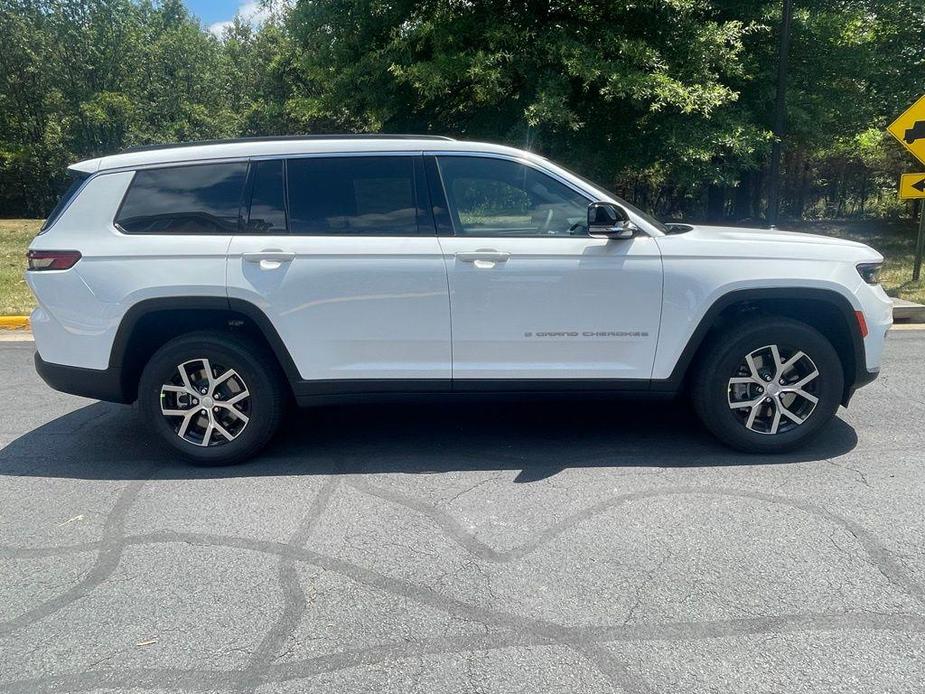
pixel 860 377
pixel 119 356
pixel 265 325
pixel 147 306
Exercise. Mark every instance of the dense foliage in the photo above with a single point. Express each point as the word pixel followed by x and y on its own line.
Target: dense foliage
pixel 668 102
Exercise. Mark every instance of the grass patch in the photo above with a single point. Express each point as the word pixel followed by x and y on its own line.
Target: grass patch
pixel 15 235
pixel 895 240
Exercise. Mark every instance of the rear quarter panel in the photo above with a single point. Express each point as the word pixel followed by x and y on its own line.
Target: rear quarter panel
pixel 80 309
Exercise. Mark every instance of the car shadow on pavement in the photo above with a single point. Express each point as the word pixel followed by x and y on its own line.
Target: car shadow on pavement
pixel 106 441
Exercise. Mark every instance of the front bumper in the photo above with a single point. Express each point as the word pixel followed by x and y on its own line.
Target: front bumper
pixel 862 378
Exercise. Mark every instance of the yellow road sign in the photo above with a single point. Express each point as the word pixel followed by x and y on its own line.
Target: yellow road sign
pixel 912 186
pixel 909 129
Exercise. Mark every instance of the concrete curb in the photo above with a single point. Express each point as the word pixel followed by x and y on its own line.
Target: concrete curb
pixel 14 322
pixel 908 311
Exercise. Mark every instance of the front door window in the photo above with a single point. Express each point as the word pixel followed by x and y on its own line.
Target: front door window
pixel 491 197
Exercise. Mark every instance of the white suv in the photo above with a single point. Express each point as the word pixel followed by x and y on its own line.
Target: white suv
pixel 215 281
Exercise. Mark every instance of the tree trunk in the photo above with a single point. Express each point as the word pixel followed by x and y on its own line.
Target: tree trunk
pixel 801 194
pixel 716 198
pixel 742 208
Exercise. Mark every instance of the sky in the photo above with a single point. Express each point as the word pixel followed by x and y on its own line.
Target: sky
pixel 216 13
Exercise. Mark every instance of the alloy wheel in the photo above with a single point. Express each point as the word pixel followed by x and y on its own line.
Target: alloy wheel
pixel 774 390
pixel 206 404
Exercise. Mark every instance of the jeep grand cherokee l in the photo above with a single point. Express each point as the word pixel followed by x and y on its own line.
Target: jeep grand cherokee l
pixel 213 282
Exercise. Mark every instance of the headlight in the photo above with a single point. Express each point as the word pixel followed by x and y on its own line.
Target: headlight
pixel 870 272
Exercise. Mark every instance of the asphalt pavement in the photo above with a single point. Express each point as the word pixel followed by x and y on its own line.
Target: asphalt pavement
pixel 505 547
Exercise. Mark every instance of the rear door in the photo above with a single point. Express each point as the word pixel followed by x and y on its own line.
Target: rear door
pixel 533 297
pixel 341 255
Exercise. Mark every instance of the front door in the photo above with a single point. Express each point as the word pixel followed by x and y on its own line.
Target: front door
pixel 349 271
pixel 532 296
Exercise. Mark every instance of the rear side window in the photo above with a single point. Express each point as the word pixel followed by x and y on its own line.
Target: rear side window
pixel 76 179
pixel 352 195
pixel 199 199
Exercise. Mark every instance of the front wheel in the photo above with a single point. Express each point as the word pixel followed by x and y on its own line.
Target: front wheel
pixel 212 397
pixel 768 385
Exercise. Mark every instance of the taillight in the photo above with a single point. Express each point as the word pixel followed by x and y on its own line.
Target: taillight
pixel 52 260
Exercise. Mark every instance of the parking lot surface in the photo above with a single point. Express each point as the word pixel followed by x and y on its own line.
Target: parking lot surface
pixel 505 547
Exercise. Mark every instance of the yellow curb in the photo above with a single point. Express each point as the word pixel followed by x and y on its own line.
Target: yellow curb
pixel 14 322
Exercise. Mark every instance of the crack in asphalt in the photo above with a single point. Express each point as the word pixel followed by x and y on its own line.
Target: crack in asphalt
pixel 294 599
pixel 106 561
pixel 516 629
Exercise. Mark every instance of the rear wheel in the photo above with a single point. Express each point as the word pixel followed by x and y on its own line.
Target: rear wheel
pixel 214 398
pixel 768 385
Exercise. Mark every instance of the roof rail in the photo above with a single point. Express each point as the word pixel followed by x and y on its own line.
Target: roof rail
pixel 287 138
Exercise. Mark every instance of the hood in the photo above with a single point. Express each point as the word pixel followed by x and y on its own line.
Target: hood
pixel 750 234
pixel 764 243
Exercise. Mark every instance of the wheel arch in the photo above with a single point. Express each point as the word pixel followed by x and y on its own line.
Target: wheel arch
pixel 826 310
pixel 151 323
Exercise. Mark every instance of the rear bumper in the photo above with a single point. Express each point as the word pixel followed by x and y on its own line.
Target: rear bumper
pixel 98 384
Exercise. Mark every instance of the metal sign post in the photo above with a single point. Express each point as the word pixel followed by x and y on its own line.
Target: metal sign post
pixel 909 130
pixel 919 244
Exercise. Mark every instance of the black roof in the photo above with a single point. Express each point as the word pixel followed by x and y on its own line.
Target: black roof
pixel 288 138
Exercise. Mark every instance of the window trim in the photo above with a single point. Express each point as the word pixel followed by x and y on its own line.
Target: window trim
pixel 207 162
pixel 504 157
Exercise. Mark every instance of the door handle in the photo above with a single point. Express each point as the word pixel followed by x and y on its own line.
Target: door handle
pixel 487 254
pixel 269 255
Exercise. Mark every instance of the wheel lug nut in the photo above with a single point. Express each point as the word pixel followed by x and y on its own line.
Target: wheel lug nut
pixel 202 390
pixel 768 400
pixel 215 409
pixel 202 412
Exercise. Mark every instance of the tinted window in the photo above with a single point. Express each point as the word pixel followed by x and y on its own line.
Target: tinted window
pixel 497 197
pixel 76 180
pixel 352 195
pixel 201 199
pixel 267 212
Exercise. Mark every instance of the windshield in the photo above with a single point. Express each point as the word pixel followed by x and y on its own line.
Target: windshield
pixel 632 208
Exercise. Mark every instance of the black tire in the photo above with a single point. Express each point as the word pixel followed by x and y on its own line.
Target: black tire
pixel 724 358
pixel 254 367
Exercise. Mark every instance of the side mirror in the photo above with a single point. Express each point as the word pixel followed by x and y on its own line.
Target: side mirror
pixel 609 221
